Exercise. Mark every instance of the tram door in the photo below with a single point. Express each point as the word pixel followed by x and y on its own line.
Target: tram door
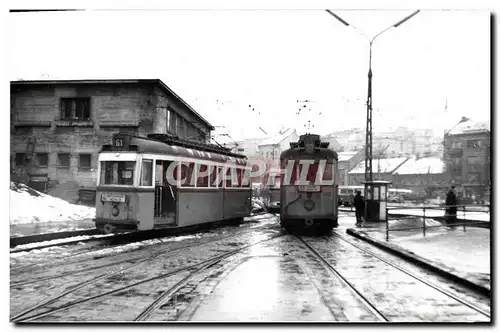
pixel 165 195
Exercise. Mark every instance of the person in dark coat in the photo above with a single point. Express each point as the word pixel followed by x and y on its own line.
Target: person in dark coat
pixel 359 205
pixel 451 209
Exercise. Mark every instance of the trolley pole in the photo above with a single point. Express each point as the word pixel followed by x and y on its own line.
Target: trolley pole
pixel 369 106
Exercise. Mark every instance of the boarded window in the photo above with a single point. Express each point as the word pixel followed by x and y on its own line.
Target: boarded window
pixel 75 108
pixel 63 160
pixel 42 159
pixel 85 161
pixel 20 160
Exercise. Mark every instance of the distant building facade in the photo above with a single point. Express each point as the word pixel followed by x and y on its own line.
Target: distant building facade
pixel 467 157
pixel 271 148
pixel 334 144
pixel 70 120
pixel 347 161
pixel 248 147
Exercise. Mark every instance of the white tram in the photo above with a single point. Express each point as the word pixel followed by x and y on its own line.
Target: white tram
pixel 165 182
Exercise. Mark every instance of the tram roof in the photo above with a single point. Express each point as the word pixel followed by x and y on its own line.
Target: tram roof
pixel 316 153
pixel 179 148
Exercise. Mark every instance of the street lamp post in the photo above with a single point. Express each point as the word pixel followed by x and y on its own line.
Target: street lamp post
pixel 369 188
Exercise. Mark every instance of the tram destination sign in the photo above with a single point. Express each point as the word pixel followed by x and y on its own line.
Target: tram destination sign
pixel 309 188
pixel 109 197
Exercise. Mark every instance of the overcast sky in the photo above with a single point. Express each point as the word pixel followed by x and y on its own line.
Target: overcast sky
pixel 220 62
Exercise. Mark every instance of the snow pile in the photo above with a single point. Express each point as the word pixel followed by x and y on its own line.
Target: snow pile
pixel 30 206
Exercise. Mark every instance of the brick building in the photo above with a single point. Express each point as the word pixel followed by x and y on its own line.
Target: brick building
pixel 68 121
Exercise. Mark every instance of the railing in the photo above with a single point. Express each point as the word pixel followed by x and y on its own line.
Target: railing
pixel 460 209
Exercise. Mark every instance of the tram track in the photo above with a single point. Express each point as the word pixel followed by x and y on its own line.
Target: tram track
pixel 370 300
pixel 205 263
pixel 368 305
pixel 96 235
pixel 152 255
pixel 420 279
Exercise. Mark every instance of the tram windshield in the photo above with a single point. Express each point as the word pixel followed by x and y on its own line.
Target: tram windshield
pixel 117 172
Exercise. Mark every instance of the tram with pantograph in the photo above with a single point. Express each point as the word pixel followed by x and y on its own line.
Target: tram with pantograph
pixel 309 185
pixel 161 181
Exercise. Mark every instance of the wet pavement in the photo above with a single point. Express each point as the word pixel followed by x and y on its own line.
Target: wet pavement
pixel 254 272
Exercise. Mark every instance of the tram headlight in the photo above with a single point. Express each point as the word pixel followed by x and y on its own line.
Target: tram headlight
pixel 115 211
pixel 309 205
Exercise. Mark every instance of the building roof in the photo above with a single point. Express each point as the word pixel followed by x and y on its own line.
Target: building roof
pixel 347 155
pixel 428 165
pixel 470 127
pixel 159 82
pixel 387 165
pixel 277 139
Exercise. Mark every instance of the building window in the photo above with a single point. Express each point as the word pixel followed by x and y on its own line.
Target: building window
pixel 85 161
pixel 472 144
pixel 42 159
pixel 474 160
pixel 241 150
pixel 63 160
pixel 20 159
pixel 75 108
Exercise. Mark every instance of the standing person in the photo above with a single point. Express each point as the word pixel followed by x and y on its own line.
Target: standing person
pixel 451 208
pixel 359 205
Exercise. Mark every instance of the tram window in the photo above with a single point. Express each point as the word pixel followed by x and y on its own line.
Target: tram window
pixel 147 172
pixel 186 175
pixel 228 182
pixel 311 173
pixel 328 172
pixel 295 173
pixel 202 180
pixel 117 172
pixel 245 173
pixel 239 174
pixel 213 176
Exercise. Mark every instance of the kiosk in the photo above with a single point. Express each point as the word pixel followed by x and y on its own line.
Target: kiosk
pixel 376 200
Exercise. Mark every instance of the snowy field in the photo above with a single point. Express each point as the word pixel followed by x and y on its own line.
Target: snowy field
pixel 28 206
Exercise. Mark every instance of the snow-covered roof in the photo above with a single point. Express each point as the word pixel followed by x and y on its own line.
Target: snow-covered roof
pixel 346 155
pixel 276 139
pixel 432 165
pixel 469 127
pixel 387 165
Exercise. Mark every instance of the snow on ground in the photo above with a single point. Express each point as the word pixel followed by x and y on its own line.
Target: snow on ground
pixel 58 241
pixel 467 252
pixel 30 206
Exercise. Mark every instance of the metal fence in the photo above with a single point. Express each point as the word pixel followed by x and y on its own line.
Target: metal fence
pixel 461 209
